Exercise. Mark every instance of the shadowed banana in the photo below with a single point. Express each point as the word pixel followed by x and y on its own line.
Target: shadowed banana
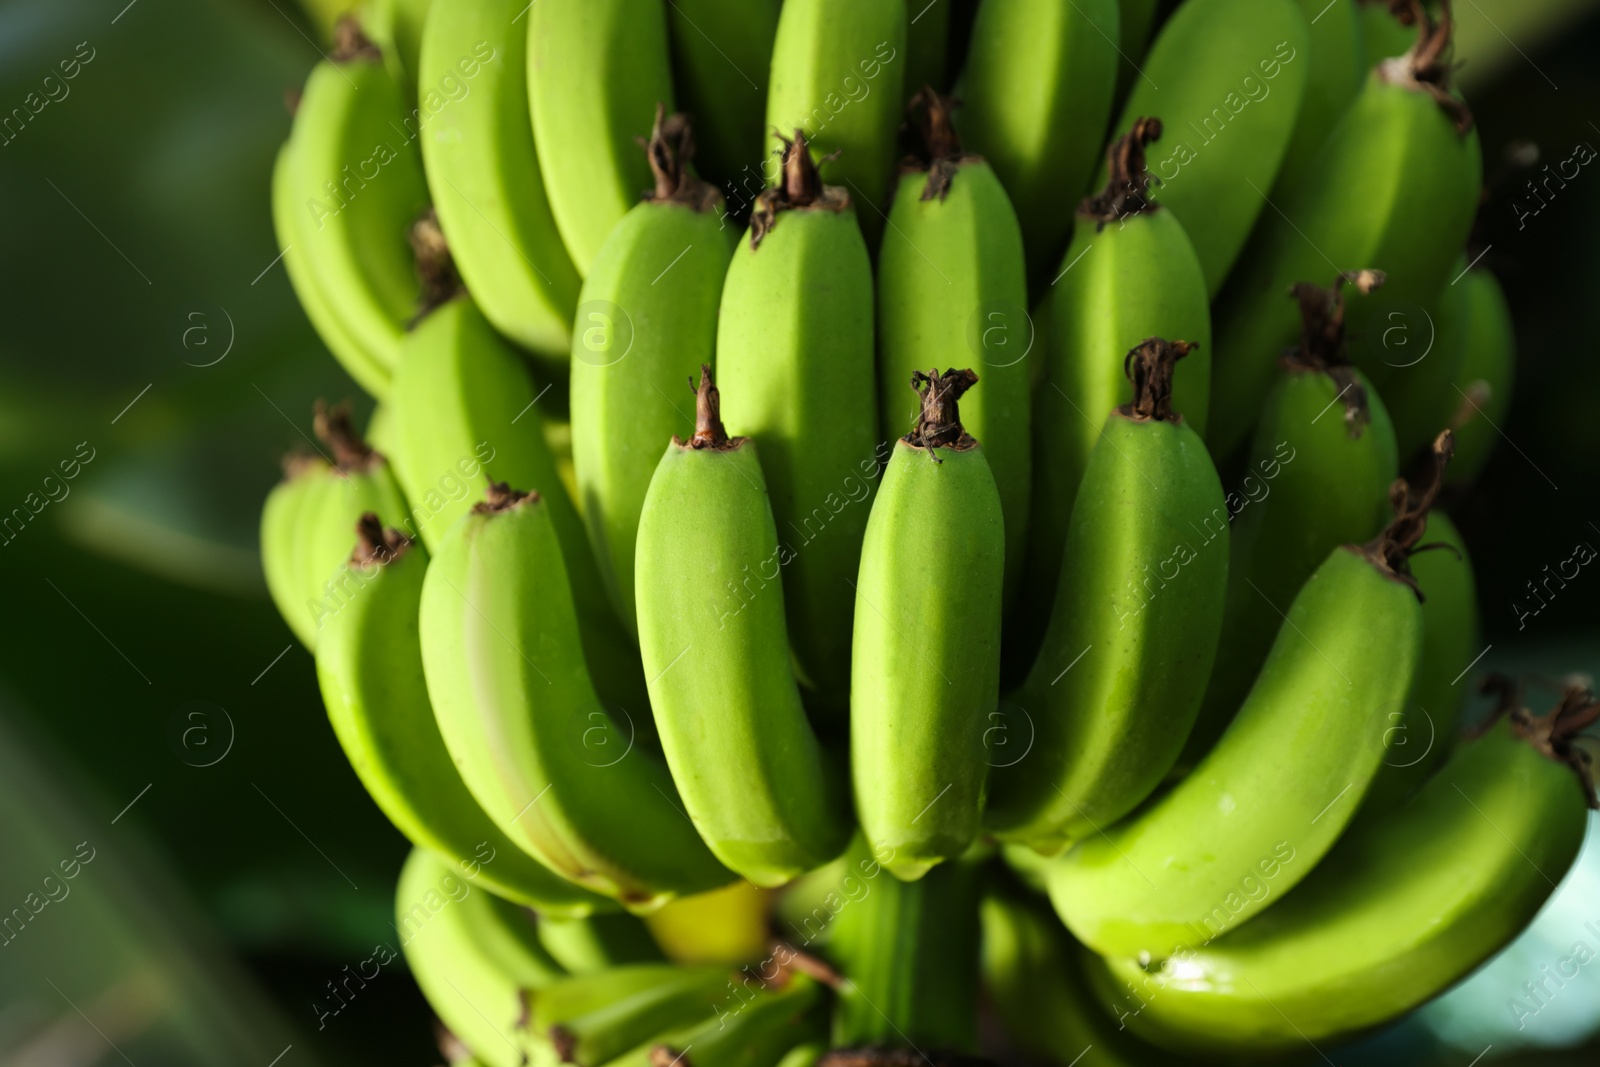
pixel 1131 640
pixel 1037 89
pixel 721 58
pixel 597 69
pixel 649 322
pixel 926 673
pixel 1396 914
pixel 548 762
pixel 838 73
pixel 1337 62
pixel 764 795
pixel 484 173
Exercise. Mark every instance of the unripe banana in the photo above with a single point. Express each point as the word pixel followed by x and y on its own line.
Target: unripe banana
pixel 1485 376
pixel 1423 739
pixel 308 525
pixel 397 27
pixel 597 69
pixel 649 321
pixel 1388 28
pixel 759 1033
pixel 760 789
pixel 927 46
pixel 527 731
pixel 473 954
pixel 1037 90
pixel 1116 687
pixel 1400 911
pixel 721 58
pixel 1338 63
pixel 1270 800
pixel 369 665
pixel 593 1019
pixel 598 942
pixel 795 357
pixel 1227 78
pixel 485 176
pixel 281 542
pixel 1136 19
pixel 352 186
pixel 926 649
pixel 1128 274
pixel 952 284
pixel 1395 185
pixel 1319 474
pixel 1422 373
pixel 465 409
pixel 838 73
pixel 908 952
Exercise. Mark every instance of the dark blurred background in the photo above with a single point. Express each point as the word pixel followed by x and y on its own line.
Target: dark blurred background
pixel 156 713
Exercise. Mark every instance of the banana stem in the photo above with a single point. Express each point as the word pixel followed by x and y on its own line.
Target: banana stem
pixel 1391 549
pixel 1323 347
pixel 1128 180
pixel 350 43
pixel 375 545
pixel 939 423
pixel 931 117
pixel 670 150
pixel 708 429
pixel 1427 67
pixel 436 268
pixel 800 187
pixel 332 425
pixel 1150 365
pixel 1553 735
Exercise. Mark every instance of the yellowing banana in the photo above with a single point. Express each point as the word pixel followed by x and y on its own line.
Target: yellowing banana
pixel 1115 689
pixel 766 798
pixel 1129 273
pixel 926 674
pixel 477 144
pixel 597 69
pixel 795 360
pixel 838 73
pixel 952 285
pixel 548 762
pixel 1227 78
pixel 1258 813
pixel 1397 913
pixel 369 664
pixel 649 321
pixel 1037 87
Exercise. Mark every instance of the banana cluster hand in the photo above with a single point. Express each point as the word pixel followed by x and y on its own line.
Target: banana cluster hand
pixel 1102 665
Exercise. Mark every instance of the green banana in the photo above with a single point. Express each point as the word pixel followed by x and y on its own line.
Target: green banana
pixel 1395 915
pixel 1136 19
pixel 477 146
pixel 926 673
pixel 1419 390
pixel 760 1032
pixel 597 69
pixel 281 542
pixel 1129 273
pixel 369 665
pixel 721 57
pixel 1116 687
pixel 1270 800
pixel 1396 185
pixel 1318 477
pixel 927 46
pixel 473 954
pixel 351 187
pixel 952 284
pixel 1034 979
pixel 608 1013
pixel 838 73
pixel 465 408
pixel 1337 64
pixel 649 320
pixel 1486 372
pixel 795 356
pixel 397 27
pixel 908 952
pixel 524 725
pixel 1037 91
pixel 754 779
pixel 309 521
pixel 1418 745
pixel 1227 78
pixel 598 942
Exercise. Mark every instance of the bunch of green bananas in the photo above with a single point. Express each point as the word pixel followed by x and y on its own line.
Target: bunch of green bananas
pixel 596 640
